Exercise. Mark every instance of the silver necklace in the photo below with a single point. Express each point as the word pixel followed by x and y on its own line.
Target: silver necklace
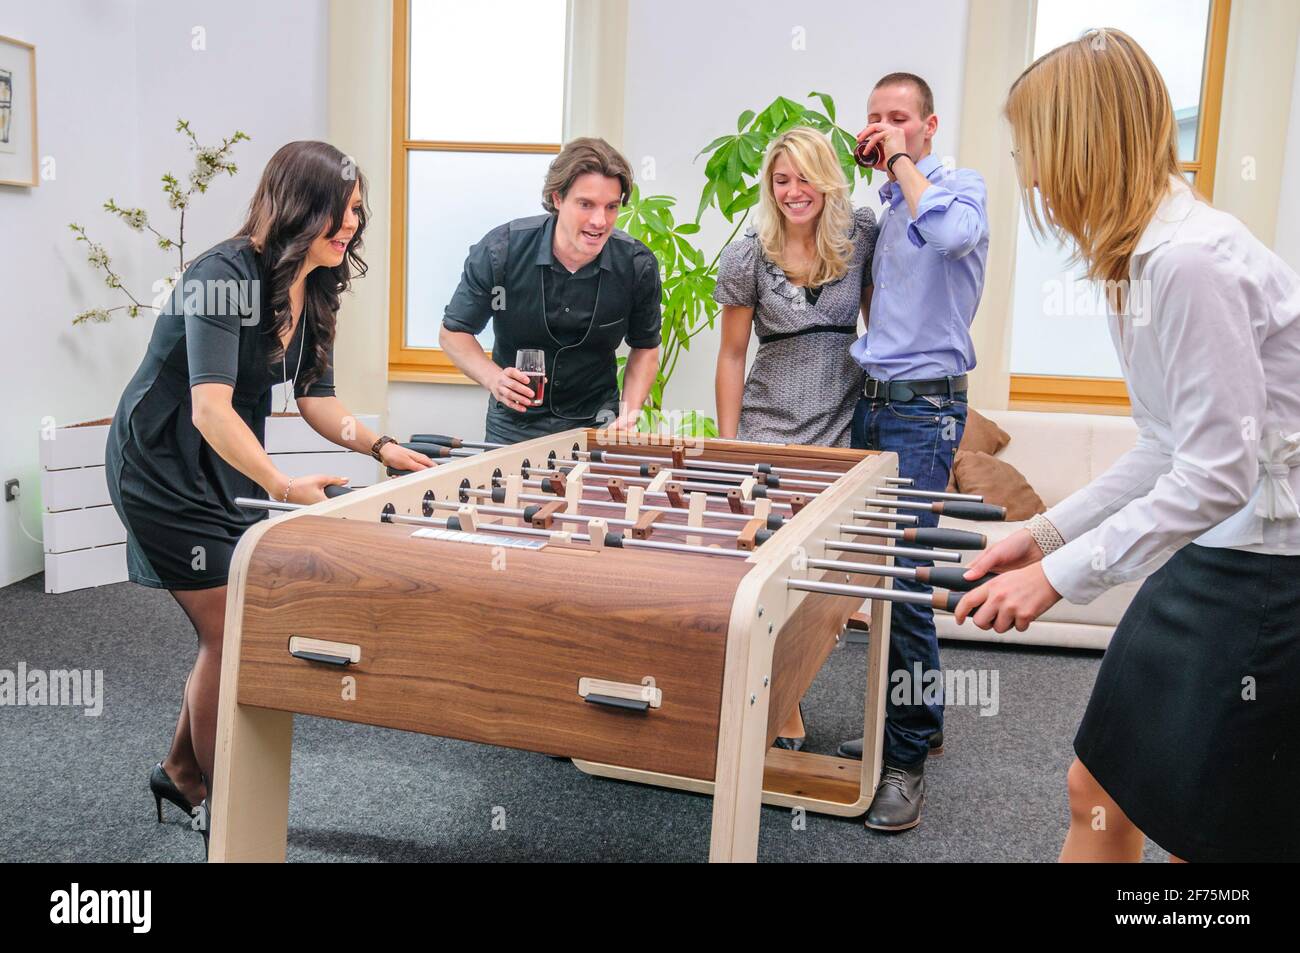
pixel 284 363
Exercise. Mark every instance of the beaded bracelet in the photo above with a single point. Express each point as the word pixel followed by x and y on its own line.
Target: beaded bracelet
pixel 1047 536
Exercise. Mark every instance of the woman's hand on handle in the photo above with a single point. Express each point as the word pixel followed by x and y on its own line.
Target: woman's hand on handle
pixel 1018 550
pixel 311 489
pixel 1020 594
pixel 400 458
pixel 1015 598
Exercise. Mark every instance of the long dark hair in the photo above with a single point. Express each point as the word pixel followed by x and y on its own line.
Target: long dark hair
pixel 304 192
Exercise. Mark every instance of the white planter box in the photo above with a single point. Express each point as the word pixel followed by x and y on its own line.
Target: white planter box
pixel 81 529
pixel 65 572
pixel 83 535
pixel 74 489
pixel 74 447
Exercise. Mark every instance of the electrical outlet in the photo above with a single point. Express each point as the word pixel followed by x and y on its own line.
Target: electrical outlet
pixel 11 490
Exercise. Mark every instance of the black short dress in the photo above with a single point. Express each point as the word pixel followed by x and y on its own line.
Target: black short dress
pixel 173 491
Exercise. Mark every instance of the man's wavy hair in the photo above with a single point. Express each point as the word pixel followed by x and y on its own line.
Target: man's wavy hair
pixel 582 157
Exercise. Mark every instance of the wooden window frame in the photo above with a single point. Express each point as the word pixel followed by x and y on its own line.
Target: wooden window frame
pixel 428 364
pixel 1108 394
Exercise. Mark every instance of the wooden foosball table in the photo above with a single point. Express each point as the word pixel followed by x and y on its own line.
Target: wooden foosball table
pixel 653 609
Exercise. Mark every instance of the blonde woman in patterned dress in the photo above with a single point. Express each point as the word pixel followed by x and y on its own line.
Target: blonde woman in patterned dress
pixel 798 282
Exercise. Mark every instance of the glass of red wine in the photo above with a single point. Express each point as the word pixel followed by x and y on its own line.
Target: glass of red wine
pixel 532 361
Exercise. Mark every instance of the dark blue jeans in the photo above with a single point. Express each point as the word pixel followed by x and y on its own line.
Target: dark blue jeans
pixel 924 432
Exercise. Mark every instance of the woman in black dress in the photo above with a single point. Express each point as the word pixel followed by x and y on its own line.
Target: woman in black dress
pixel 1190 735
pixel 253 311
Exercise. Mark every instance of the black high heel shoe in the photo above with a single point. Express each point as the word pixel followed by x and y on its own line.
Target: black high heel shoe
pixel 162 787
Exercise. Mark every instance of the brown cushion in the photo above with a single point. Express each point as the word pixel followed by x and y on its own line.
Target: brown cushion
pixel 998 482
pixel 982 435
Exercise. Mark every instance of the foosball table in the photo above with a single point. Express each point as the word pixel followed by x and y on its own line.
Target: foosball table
pixel 651 607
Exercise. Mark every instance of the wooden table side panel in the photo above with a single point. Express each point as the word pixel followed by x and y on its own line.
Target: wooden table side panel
pixel 452 647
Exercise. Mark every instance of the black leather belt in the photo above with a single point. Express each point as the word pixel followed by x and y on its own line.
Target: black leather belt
pixel 890 391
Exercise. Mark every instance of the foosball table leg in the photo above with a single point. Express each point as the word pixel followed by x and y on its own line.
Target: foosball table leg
pixel 249 802
pixel 873 717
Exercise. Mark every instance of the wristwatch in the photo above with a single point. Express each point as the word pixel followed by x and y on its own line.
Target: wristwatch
pixel 379 445
pixel 889 166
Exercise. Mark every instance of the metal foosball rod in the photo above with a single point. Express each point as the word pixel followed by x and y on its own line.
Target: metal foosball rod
pixel 720 482
pixel 889 490
pixel 905 552
pixel 690 486
pixel 947 601
pixel 713 476
pixel 944 577
pixel 959 509
pixel 534 513
pixel 693 463
pixel 612 540
pixel 597 456
pixel 454 442
pixel 775 520
pixel 923 536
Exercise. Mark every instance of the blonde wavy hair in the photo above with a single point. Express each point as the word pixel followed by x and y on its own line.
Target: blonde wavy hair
pixel 810 152
pixel 1094 131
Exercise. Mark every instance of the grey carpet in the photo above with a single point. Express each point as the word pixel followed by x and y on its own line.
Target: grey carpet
pixel 73 788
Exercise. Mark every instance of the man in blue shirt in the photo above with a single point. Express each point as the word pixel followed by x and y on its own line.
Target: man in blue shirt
pixel 928 273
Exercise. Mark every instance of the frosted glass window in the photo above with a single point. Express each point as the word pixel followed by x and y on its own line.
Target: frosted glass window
pixel 487 71
pixel 1059 322
pixel 453 200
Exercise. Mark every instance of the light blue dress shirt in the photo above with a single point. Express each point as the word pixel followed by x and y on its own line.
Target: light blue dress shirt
pixel 929 274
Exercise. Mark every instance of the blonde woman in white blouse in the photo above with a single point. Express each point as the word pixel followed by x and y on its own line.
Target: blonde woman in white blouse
pixel 1192 734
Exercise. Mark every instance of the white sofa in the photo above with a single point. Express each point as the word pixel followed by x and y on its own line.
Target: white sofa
pixel 1057 453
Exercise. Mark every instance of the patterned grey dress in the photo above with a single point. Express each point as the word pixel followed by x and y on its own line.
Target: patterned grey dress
pixel 803 385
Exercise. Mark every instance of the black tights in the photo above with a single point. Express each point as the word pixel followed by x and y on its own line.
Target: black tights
pixel 189 763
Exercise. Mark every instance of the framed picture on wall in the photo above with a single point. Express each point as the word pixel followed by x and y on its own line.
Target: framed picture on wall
pixel 17 112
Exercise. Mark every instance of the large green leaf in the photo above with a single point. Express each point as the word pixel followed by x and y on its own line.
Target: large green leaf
pixel 828 104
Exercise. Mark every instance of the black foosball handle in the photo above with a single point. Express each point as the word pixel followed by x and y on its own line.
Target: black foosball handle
pixel 434 451
pixel 335 489
pixel 963 510
pixel 437 438
pixel 951 577
pixel 947 601
pixel 945 538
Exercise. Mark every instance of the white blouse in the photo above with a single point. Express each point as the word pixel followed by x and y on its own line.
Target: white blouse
pixel 1211 355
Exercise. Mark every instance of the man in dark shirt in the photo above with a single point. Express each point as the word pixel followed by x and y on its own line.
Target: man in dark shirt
pixel 570 284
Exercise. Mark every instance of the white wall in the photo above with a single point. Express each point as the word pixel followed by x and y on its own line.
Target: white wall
pixel 112 78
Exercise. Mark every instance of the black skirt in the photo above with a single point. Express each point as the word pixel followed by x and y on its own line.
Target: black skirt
pixel 1193 727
